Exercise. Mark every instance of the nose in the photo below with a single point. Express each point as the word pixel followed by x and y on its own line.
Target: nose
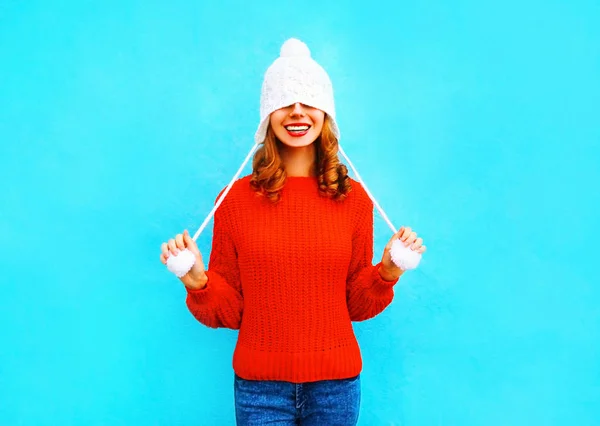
pixel 297 109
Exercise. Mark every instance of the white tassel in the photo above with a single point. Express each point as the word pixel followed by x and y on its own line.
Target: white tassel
pixel 182 263
pixel 404 257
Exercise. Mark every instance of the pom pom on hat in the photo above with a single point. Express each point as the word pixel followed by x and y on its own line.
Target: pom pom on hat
pixel 294 47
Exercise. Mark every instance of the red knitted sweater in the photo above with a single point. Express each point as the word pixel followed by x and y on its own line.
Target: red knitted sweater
pixel 292 277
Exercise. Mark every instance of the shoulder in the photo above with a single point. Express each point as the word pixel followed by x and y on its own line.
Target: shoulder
pixel 229 205
pixel 239 188
pixel 359 207
pixel 358 196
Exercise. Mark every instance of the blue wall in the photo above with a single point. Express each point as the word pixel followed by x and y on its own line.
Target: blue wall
pixel 476 124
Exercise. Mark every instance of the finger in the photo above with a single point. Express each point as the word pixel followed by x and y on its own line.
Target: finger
pixel 421 249
pixel 189 242
pixel 399 233
pixel 412 237
pixel 163 258
pixel 173 247
pixel 395 237
pixel 164 248
pixel 179 241
pixel 406 233
pixel 417 244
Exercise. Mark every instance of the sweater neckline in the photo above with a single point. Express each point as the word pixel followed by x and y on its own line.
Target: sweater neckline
pixel 302 177
pixel 301 181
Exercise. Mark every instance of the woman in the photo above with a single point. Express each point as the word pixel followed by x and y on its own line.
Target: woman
pixel 291 260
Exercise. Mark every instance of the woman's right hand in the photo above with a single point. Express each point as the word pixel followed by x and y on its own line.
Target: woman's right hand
pixel 196 278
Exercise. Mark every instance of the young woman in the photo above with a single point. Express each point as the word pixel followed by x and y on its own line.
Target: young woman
pixel 291 260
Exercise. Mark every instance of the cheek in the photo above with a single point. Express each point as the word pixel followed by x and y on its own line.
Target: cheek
pixel 275 121
pixel 275 124
pixel 318 120
pixel 277 117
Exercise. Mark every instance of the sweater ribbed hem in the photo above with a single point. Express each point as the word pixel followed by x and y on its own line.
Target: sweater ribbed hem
pixel 337 363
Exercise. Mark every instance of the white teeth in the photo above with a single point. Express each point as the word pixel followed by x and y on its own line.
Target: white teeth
pixel 297 128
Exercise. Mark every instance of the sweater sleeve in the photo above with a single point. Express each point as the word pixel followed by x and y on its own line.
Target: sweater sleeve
pixel 367 294
pixel 220 303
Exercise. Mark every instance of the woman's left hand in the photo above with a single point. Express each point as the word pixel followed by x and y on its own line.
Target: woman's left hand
pixel 388 270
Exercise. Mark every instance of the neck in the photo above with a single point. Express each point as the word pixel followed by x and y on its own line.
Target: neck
pixel 299 161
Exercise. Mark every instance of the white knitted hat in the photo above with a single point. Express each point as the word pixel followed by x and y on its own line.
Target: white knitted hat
pixel 295 77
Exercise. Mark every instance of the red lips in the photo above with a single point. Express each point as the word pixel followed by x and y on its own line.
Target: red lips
pixel 297 133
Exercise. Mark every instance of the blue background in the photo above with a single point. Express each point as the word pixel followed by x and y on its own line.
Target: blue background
pixel 476 123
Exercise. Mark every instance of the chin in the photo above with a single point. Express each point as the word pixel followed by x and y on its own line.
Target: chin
pixel 297 144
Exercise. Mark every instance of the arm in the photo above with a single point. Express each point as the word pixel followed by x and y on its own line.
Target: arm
pixel 367 292
pixel 220 302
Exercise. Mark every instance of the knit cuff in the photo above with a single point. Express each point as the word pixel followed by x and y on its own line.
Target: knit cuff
pixel 379 284
pixel 203 294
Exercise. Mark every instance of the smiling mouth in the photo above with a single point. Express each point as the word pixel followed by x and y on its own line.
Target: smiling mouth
pixel 297 130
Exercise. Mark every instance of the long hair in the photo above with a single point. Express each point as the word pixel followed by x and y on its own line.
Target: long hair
pixel 268 174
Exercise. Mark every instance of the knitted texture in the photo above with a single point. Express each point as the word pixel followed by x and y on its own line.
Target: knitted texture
pixel 292 277
pixel 295 77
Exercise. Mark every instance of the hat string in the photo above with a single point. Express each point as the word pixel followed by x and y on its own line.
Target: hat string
pixel 237 174
pixel 222 197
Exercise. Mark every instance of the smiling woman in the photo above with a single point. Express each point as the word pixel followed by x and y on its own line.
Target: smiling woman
pixel 297 360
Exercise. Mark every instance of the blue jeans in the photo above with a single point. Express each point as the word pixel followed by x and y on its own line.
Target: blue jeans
pixel 327 402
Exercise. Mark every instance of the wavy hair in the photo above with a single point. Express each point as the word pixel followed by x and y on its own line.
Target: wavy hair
pixel 268 173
